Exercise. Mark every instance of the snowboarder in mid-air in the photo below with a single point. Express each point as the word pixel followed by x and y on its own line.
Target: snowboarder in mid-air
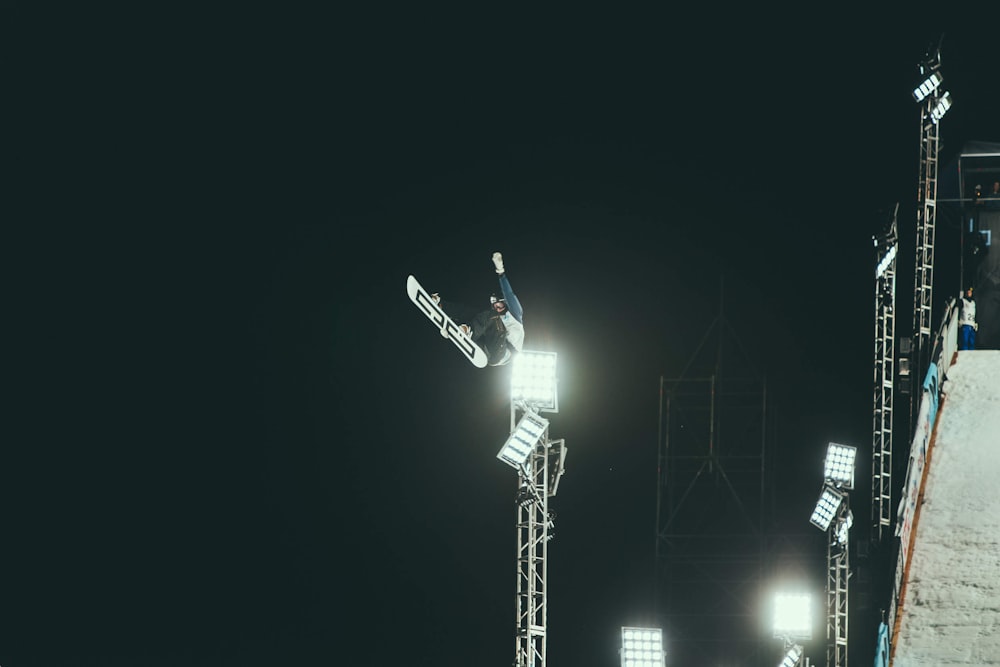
pixel 498 330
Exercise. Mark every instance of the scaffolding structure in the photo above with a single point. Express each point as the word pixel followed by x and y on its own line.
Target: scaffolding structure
pixel 710 525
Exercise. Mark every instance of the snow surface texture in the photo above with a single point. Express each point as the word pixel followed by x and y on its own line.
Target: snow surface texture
pixel 951 609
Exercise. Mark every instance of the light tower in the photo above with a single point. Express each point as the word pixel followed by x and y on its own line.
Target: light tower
pixel 833 515
pixel 712 509
pixel 540 463
pixel 934 103
pixel 886 246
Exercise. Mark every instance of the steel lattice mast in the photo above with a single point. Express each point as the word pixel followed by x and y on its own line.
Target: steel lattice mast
pixel 885 304
pixel 833 516
pixel 838 571
pixel 933 106
pixel 535 522
pixel 712 513
pixel 540 463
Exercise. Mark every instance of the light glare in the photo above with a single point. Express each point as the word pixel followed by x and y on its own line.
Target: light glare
pixel 792 657
pixel 533 380
pixel 793 615
pixel 642 647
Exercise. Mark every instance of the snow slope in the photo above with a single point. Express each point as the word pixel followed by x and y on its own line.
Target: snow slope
pixel 951 608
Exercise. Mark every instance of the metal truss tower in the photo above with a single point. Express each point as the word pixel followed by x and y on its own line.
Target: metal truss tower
pixel 838 571
pixel 710 526
pixel 885 305
pixel 923 284
pixel 538 480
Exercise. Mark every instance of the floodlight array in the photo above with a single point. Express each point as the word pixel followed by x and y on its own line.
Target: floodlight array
pixel 839 465
pixel 642 647
pixel 826 508
pixel 557 464
pixel 792 657
pixel 886 260
pixel 522 441
pixel 793 616
pixel 941 108
pixel 533 380
pixel 929 85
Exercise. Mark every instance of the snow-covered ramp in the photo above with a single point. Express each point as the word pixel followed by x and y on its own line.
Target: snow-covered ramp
pixel 951 598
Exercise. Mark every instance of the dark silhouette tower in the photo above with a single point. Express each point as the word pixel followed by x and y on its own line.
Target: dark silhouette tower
pixel 710 515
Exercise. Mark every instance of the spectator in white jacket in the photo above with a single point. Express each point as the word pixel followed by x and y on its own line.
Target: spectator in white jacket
pixel 967 325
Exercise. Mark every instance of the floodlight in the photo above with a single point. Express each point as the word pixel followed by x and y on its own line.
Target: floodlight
pixel 792 616
pixel 826 508
pixel 929 85
pixel 843 527
pixel 883 263
pixel 557 464
pixel 792 657
pixel 522 441
pixel 533 380
pixel 642 647
pixel 941 108
pixel 839 465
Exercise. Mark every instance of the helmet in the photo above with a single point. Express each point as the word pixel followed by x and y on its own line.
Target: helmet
pixel 494 298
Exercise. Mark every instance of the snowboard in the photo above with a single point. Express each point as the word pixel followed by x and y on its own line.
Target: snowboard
pixel 443 323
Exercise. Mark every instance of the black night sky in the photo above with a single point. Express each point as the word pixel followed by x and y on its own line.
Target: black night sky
pixel 242 445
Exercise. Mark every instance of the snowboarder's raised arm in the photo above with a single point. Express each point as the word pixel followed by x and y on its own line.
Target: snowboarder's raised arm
pixel 508 293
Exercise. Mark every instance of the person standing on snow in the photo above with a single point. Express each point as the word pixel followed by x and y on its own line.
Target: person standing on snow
pixel 498 330
pixel 967 325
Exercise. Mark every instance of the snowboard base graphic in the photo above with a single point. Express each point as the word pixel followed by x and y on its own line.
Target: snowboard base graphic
pixel 423 301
